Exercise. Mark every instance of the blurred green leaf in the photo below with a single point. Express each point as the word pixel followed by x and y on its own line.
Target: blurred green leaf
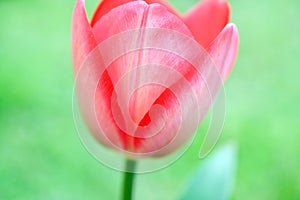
pixel 214 178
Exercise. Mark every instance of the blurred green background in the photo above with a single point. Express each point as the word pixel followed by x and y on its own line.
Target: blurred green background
pixel 41 156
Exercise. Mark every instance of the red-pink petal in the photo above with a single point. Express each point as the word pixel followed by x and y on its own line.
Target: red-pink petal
pixel 83 41
pixel 220 59
pixel 132 16
pixel 107 5
pixel 207 19
pixel 224 48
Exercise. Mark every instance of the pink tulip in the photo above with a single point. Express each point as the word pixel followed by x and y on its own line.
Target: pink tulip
pixel 206 23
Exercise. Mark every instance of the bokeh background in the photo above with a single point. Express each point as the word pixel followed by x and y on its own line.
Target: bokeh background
pixel 41 156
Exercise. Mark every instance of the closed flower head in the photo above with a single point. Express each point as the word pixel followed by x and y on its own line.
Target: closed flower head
pixel 145 74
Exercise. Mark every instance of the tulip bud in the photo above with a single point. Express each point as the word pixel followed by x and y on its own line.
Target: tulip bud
pixel 145 76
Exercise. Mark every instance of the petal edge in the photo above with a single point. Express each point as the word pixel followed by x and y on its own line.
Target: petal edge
pixel 224 48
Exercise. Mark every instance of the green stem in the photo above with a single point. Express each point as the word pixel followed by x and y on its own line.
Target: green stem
pixel 128 179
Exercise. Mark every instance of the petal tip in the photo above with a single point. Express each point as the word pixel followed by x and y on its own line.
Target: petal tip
pixel 224 49
pixel 81 36
pixel 234 31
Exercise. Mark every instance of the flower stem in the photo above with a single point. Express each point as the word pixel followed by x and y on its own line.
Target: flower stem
pixel 128 179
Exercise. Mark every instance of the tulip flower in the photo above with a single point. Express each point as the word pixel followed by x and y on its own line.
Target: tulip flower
pixel 143 119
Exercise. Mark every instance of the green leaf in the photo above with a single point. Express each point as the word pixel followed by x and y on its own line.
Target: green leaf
pixel 214 178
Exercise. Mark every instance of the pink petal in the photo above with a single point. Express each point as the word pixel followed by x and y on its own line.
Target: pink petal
pixel 224 48
pixel 107 5
pixel 132 16
pixel 154 145
pixel 216 65
pixel 207 19
pixel 83 41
